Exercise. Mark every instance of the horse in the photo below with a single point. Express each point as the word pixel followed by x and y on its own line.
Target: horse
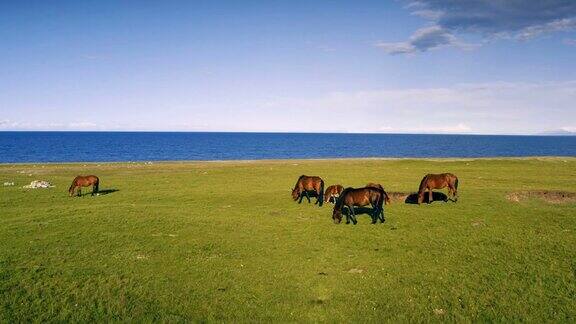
pixel 333 192
pixel 84 181
pixel 306 185
pixel 438 181
pixel 387 200
pixel 360 197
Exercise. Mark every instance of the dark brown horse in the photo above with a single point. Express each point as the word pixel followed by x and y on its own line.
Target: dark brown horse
pixel 309 185
pixel 332 193
pixel 438 181
pixel 360 197
pixel 84 181
pixel 379 186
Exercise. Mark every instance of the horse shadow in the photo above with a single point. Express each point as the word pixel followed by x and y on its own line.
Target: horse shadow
pixel 358 211
pixel 100 192
pixel 312 196
pixel 436 196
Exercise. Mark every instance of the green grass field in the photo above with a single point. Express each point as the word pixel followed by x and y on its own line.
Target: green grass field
pixel 223 241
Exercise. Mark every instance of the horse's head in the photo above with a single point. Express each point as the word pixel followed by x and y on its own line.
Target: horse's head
pixel 295 193
pixel 337 216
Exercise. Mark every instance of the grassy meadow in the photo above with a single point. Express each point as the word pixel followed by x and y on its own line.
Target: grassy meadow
pixel 223 241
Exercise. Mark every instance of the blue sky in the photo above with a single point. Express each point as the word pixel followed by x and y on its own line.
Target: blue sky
pixel 428 66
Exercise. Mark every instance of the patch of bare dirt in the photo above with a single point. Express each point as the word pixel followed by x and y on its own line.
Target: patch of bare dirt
pixel 549 196
pixel 354 270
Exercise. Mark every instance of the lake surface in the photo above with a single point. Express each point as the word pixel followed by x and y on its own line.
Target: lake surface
pixel 155 146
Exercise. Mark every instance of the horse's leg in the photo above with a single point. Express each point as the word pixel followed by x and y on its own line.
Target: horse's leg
pixel 307 196
pixel 93 190
pixel 374 215
pixel 347 214
pixel 80 191
pixel 352 215
pixel 301 197
pixel 380 214
pixel 430 196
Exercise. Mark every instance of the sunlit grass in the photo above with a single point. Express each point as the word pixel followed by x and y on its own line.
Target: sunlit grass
pixel 224 241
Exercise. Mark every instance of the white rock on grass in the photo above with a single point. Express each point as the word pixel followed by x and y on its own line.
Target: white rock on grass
pixel 39 184
pixel 8 184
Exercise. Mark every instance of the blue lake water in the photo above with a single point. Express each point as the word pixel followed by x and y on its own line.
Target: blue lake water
pixel 154 146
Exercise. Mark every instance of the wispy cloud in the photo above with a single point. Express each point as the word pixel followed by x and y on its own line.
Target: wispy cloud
pixel 478 108
pixel 27 125
pixel 483 108
pixel 569 129
pixel 423 39
pixel 82 125
pixel 518 19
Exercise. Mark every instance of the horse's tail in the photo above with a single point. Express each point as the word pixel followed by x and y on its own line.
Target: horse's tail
pixel 456 183
pixel 321 193
pixel 386 198
pixel 96 184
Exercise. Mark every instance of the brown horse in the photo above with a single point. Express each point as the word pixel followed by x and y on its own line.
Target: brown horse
pixel 360 197
pixel 309 185
pixel 84 181
pixel 332 193
pixel 438 181
pixel 379 186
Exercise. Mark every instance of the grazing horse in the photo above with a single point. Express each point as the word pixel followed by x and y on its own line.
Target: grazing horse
pixel 306 185
pixel 438 181
pixel 332 193
pixel 379 186
pixel 84 181
pixel 360 197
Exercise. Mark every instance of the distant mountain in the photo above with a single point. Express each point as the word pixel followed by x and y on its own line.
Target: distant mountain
pixel 559 132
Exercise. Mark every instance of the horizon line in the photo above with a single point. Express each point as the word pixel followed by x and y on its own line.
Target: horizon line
pixel 568 134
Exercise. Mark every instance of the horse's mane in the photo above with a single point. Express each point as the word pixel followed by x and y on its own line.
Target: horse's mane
pixel 297 181
pixel 340 200
pixel 422 184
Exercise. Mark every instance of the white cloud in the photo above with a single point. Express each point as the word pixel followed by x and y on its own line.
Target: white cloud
pixel 479 108
pixel 82 125
pixel 486 108
pixel 570 129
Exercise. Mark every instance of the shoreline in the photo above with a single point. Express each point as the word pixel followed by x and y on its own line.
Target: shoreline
pixel 433 159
